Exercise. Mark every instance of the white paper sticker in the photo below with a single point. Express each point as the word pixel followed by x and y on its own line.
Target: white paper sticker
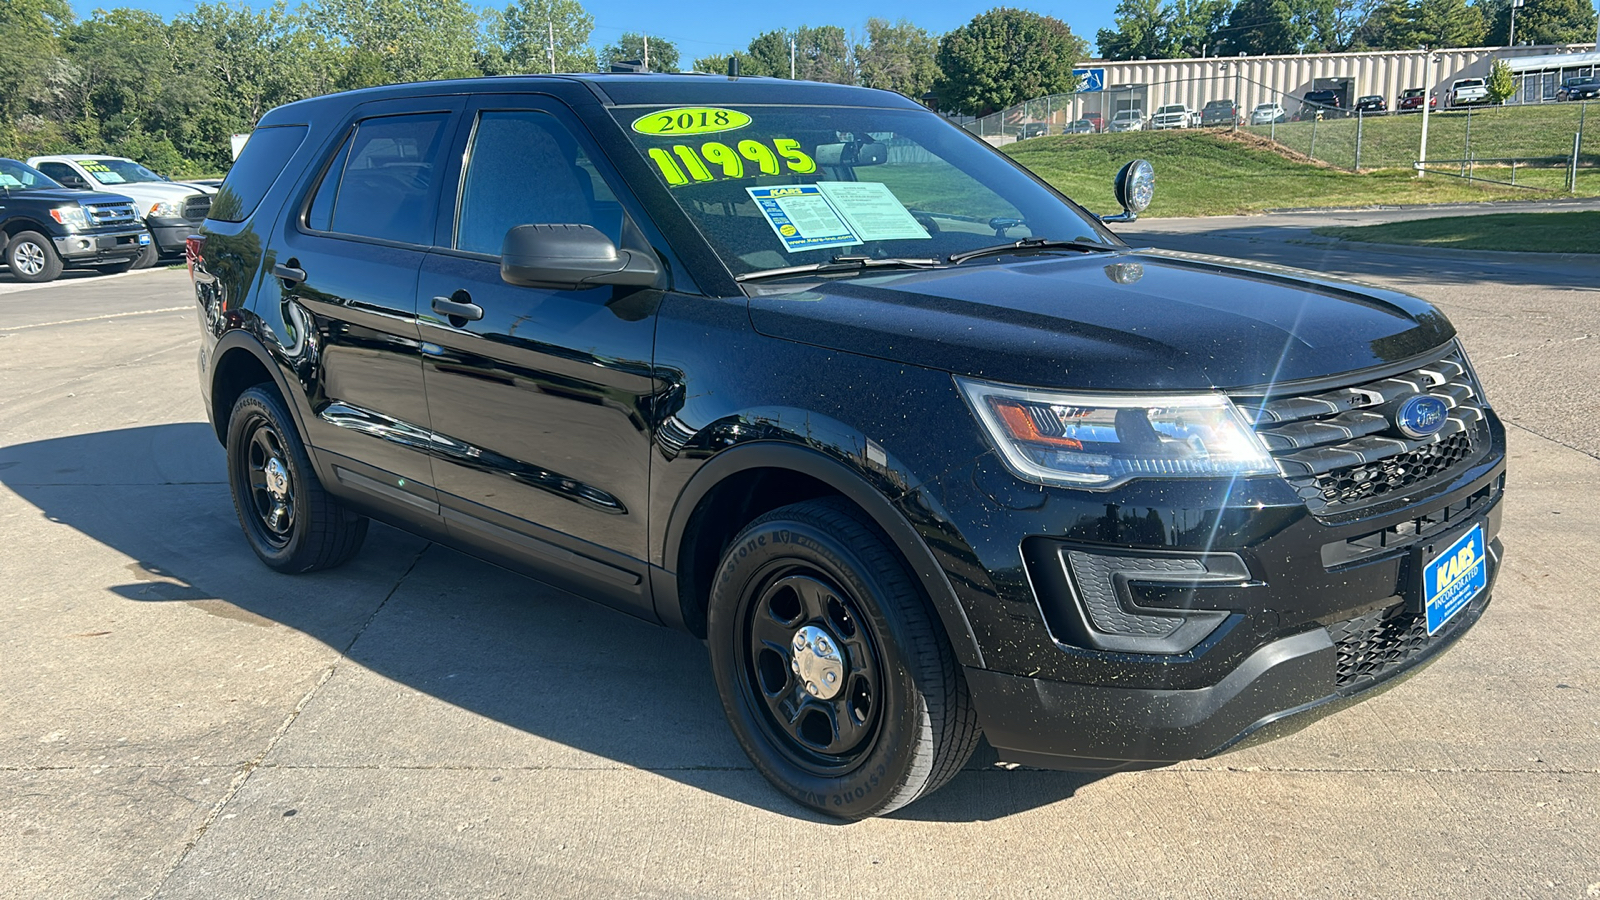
pixel 872 211
pixel 108 177
pixel 802 217
pixel 9 181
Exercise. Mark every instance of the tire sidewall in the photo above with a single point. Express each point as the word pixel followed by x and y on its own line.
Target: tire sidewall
pixel 253 406
pixel 880 779
pixel 52 262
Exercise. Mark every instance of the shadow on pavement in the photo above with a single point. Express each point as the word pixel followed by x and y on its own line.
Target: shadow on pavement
pixel 480 638
pixel 1299 248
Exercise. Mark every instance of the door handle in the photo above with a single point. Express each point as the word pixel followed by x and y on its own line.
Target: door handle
pixel 291 275
pixel 470 311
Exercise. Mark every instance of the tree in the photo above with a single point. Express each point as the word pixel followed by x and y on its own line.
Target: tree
pixel 898 57
pixel 1143 31
pixel 768 55
pixel 1195 27
pixel 391 41
pixel 1555 22
pixel 1005 56
pixel 1267 27
pixel 31 51
pixel 1444 23
pixel 1501 83
pixel 663 54
pixel 521 38
pixel 717 63
pixel 823 54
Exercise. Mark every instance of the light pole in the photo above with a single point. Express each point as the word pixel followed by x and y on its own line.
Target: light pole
pixel 1511 39
pixel 1427 96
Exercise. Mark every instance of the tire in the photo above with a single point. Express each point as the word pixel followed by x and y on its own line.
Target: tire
pixel 291 523
pixel 895 720
pixel 147 256
pixel 32 258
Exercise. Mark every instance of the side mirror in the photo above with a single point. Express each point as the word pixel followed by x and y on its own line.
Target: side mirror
pixel 1135 186
pixel 570 258
pixel 73 181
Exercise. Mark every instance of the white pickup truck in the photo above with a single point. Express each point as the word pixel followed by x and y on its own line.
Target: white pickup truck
pixel 172 210
pixel 1468 92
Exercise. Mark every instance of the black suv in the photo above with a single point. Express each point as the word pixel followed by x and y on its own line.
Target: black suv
pixel 1327 104
pixel 919 447
pixel 44 227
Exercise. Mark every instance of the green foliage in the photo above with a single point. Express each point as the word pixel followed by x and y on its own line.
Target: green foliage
pixel 1556 22
pixel 390 41
pixel 1501 83
pixel 632 45
pixel 1266 27
pixel 521 37
pixel 1005 56
pixel 823 54
pixel 1143 31
pixel 716 63
pixel 898 57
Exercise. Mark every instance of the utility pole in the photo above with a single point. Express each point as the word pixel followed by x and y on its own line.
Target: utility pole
pixel 1427 98
pixel 647 53
pixel 791 59
pixel 552 25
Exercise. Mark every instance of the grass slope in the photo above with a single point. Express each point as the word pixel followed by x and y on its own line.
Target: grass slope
pixel 1200 173
pixel 1569 232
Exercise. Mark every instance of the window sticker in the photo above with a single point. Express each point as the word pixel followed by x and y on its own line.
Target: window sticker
pixel 872 211
pixel 691 120
pixel 802 217
pixel 106 176
pixel 9 181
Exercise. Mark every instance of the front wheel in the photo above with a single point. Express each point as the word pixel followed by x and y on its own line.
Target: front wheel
pixel 32 258
pixel 834 673
pixel 148 254
pixel 292 524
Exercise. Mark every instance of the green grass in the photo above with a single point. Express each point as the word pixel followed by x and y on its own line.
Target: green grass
pixel 1492 132
pixel 1199 173
pixel 1568 232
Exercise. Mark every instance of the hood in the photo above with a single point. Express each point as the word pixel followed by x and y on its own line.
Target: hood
pixel 67 195
pixel 148 192
pixel 1130 320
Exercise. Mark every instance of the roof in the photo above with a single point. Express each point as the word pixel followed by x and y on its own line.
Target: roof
pixel 1553 61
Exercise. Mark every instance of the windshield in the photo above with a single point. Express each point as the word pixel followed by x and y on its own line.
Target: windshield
pixel 1130 114
pixel 118 171
pixel 778 186
pixel 1171 109
pixel 18 177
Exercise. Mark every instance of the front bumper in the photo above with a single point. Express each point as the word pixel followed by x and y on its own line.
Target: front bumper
pixel 101 246
pixel 171 235
pixel 1278 690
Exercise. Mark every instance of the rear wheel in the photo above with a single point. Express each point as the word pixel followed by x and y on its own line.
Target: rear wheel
pixel 32 258
pixel 834 673
pixel 292 524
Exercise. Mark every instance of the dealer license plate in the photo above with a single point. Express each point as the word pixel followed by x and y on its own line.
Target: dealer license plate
pixel 1451 579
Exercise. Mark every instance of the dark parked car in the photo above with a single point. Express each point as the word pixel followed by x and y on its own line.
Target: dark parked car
pixel 1219 112
pixel 1324 104
pixel 1372 104
pixel 1033 129
pixel 1584 88
pixel 44 227
pixel 704 350
pixel 1410 100
pixel 1079 126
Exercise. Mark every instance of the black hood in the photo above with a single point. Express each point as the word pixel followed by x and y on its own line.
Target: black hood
pixel 1135 319
pixel 66 195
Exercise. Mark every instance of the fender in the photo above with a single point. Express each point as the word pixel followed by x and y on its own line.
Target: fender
pixel 806 461
pixel 240 340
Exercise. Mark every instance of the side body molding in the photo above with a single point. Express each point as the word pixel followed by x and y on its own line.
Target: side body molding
pixel 803 460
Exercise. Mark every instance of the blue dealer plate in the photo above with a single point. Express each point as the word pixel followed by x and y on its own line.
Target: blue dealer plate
pixel 1451 579
pixel 144 239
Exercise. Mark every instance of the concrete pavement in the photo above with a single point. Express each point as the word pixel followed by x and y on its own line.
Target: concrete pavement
pixel 180 722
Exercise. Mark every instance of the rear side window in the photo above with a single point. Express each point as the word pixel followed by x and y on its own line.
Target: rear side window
pixel 381 183
pixel 259 165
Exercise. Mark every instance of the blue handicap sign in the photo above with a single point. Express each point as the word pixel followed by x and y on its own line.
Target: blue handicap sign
pixel 1090 80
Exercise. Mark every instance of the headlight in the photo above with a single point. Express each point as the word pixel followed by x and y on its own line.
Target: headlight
pixel 70 216
pixel 166 209
pixel 1102 440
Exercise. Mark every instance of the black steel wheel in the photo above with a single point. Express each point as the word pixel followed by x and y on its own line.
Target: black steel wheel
pixel 292 524
pixel 834 672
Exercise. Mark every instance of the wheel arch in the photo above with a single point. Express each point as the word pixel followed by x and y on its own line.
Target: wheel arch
pixel 239 362
pixel 693 535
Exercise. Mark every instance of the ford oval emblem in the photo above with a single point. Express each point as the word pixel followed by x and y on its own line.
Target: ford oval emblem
pixel 1421 416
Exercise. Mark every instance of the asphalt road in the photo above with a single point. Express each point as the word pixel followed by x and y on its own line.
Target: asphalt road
pixel 177 721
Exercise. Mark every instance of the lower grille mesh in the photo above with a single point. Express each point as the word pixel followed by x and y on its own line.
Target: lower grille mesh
pixel 1377 642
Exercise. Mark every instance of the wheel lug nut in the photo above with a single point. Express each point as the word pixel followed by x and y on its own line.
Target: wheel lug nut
pixel 811 688
pixel 822 645
pixel 830 678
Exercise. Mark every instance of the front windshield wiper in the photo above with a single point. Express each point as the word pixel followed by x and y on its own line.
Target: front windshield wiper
pixel 841 264
pixel 1031 245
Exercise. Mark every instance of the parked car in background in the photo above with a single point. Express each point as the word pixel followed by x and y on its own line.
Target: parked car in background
pixel 1033 130
pixel 1410 100
pixel 1268 113
pixel 1219 112
pixel 1097 120
pixel 45 227
pixel 1173 115
pixel 1372 104
pixel 1079 126
pixel 1467 92
pixel 171 210
pixel 1327 104
pixel 1128 120
pixel 1585 87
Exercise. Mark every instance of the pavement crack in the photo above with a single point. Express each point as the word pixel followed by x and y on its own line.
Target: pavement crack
pixel 249 768
pixel 1520 427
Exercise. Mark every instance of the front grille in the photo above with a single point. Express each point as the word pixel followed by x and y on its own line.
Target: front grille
pixel 109 213
pixel 1376 643
pixel 1341 449
pixel 197 207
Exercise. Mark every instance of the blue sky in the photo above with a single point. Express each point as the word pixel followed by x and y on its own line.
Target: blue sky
pixel 716 26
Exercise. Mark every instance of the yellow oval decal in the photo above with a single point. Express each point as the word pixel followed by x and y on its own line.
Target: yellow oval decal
pixel 691 120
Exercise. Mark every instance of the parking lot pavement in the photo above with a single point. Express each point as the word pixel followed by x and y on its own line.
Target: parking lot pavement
pixel 180 722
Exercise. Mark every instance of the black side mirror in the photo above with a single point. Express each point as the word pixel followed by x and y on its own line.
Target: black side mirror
pixel 570 258
pixel 73 181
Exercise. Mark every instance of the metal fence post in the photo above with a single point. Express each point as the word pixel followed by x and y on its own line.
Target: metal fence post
pixel 1466 152
pixel 1361 117
pixel 1314 120
pixel 1572 177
